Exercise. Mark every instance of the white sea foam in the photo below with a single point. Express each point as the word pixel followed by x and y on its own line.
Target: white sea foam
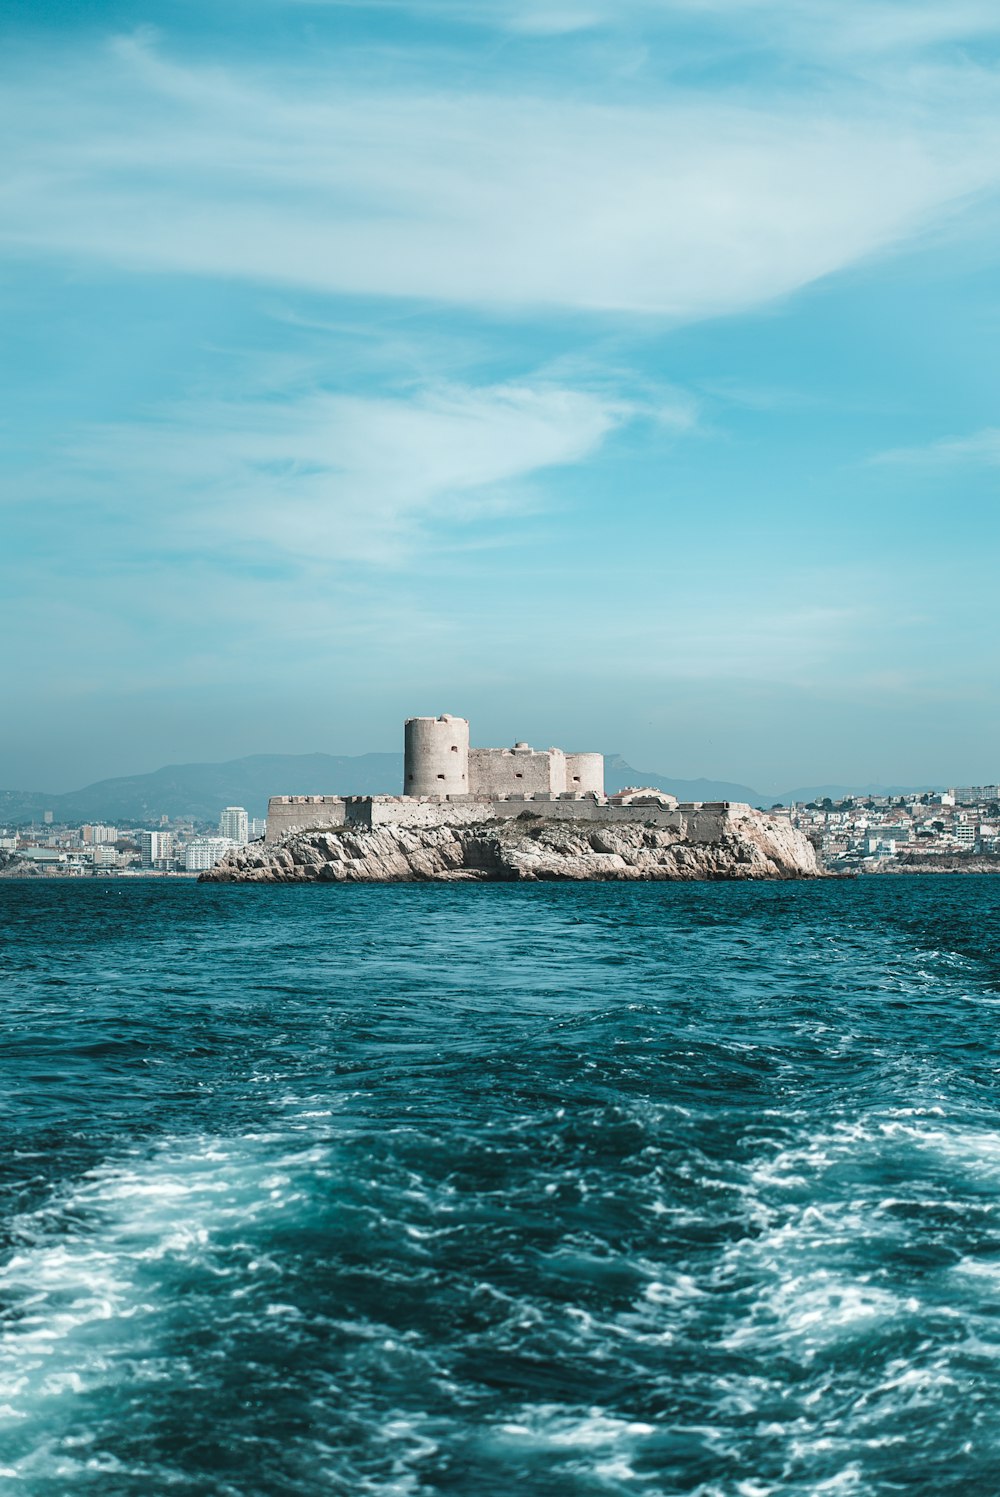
pixel 557 1426
pixel 602 1444
pixel 83 1300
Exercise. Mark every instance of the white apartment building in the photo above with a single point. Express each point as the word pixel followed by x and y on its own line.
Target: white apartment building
pixel 104 856
pixel 155 848
pixel 234 824
pixel 202 853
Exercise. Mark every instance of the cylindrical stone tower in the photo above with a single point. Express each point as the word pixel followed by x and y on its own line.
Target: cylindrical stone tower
pixel 436 756
pixel 585 772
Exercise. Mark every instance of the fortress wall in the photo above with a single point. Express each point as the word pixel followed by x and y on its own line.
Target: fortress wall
pixel 386 811
pixel 694 821
pixel 436 755
pixel 300 813
pixel 589 811
pixel 495 772
pixel 524 771
pixel 710 820
pixel 585 772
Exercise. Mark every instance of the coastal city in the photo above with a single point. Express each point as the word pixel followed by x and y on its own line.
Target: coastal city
pixel 945 829
pixel 180 847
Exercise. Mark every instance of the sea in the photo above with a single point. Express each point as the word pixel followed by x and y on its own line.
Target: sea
pixel 552 1190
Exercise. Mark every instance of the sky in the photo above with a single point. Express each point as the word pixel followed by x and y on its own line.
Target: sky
pixel 619 374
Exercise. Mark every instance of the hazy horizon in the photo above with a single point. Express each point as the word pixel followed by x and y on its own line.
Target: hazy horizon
pixel 656 770
pixel 618 376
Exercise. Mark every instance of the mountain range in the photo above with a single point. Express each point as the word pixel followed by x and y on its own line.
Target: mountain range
pixel 200 791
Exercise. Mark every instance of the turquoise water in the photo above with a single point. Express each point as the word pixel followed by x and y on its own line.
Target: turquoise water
pixel 490 1190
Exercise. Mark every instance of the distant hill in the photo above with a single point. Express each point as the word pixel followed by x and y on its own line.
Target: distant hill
pixel 200 791
pixel 618 775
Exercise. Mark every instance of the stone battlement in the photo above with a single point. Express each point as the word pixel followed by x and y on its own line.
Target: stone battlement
pixel 698 821
pixel 447 783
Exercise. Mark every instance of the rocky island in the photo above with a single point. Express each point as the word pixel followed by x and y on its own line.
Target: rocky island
pixel 510 815
pixel 526 847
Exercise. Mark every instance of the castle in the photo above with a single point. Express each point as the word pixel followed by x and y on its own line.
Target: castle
pixel 445 782
pixel 438 761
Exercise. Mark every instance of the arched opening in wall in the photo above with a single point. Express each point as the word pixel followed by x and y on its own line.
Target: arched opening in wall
pixel 454 748
pixel 440 776
pixel 518 775
pixel 576 779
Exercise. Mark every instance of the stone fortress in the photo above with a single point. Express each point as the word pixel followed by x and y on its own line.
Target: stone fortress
pixel 439 762
pixel 447 783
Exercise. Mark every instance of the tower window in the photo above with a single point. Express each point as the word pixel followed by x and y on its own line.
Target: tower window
pixel 454 748
pixel 440 776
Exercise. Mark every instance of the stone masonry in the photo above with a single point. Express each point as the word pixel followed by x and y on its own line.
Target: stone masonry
pixel 447 783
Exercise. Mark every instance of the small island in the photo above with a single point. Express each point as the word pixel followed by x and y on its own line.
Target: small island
pixel 510 815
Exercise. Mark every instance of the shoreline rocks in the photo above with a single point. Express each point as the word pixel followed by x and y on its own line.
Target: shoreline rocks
pixel 959 862
pixel 12 866
pixel 525 849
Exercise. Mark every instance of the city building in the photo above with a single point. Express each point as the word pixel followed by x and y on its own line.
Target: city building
pixel 97 833
pixel 202 853
pixel 156 849
pixel 234 824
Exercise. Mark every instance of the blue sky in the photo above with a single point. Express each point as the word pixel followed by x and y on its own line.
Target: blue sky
pixel 619 375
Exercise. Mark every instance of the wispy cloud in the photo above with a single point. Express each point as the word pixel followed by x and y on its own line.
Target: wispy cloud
pixel 837 26
pixel 327 477
pixel 687 208
pixel 259 535
pixel 982 448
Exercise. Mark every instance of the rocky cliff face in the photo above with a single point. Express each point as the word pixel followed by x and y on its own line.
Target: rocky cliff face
pixel 527 848
pixel 11 866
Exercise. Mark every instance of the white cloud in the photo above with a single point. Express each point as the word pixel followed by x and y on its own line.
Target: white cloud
pixel 331 477
pixel 834 27
pixel 981 448
pixel 255 535
pixel 685 209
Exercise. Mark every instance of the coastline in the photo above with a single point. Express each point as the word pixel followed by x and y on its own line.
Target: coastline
pixel 937 863
pixel 250 871
pixel 523 849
